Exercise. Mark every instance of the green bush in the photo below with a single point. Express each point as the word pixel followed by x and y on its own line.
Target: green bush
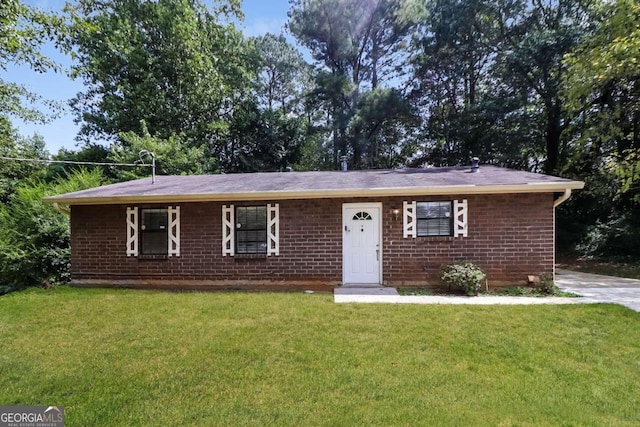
pixel 615 238
pixel 465 275
pixel 34 238
pixel 547 285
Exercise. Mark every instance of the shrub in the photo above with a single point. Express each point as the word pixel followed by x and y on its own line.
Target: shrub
pixel 465 275
pixel 34 238
pixel 615 238
pixel 547 285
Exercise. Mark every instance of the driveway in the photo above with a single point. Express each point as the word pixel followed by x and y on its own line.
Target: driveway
pixel 597 288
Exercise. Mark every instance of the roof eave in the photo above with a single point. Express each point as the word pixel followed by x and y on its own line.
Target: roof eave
pixel 321 194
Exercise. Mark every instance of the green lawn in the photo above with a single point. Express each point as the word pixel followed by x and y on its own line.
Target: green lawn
pixel 136 358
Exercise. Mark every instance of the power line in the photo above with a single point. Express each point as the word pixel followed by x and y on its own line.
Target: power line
pixel 71 162
pixel 141 154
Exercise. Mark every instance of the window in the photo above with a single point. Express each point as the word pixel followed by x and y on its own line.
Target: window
pixel 251 230
pixel 154 233
pixel 362 216
pixel 434 219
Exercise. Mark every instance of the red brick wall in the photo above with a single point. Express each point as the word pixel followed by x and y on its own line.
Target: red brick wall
pixel 510 236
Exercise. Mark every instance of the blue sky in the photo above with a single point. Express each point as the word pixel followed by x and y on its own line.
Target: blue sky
pixel 261 16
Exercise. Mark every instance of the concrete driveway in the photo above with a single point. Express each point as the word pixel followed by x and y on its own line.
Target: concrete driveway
pixel 597 288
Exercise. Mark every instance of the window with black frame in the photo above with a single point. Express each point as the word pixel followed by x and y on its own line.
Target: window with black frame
pixel 434 219
pixel 251 230
pixel 154 233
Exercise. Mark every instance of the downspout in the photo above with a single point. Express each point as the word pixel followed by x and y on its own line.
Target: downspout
pixel 557 202
pixel 63 211
pixel 560 200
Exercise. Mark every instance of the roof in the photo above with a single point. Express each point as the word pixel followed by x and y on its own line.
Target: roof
pixel 305 185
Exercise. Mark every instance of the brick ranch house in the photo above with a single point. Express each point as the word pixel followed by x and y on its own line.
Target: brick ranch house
pixel 314 230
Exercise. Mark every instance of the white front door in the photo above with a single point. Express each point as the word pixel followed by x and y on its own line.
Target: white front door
pixel 361 251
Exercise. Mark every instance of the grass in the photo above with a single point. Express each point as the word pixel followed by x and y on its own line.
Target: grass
pixel 527 291
pixel 514 291
pixel 629 269
pixel 416 291
pixel 122 357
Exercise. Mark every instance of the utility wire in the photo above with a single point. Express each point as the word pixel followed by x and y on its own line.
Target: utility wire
pixel 71 162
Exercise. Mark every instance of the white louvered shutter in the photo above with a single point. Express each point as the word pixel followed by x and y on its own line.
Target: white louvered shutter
pixel 460 216
pixel 228 230
pixel 409 222
pixel 132 231
pixel 174 231
pixel 273 229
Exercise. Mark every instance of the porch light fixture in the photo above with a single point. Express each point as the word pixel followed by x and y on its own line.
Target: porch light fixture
pixel 396 214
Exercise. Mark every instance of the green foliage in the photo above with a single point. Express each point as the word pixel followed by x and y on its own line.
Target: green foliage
pixel 283 75
pixel 611 53
pixel 175 64
pixel 603 91
pixel 359 45
pixel 23 29
pixel 13 172
pixel 514 291
pixel 260 140
pixel 615 238
pixel 465 275
pixel 383 118
pixel 415 291
pixel 489 77
pixel 174 156
pixel 34 238
pixel 90 152
pixel 547 285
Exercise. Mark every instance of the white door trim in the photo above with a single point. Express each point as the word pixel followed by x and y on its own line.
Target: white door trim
pixel 369 205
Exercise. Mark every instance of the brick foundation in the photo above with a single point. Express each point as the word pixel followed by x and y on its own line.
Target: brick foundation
pixel 510 237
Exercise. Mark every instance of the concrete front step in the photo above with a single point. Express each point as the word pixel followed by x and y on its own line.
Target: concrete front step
pixel 367 290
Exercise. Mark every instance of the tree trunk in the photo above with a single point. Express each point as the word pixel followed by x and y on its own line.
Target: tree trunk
pixel 553 132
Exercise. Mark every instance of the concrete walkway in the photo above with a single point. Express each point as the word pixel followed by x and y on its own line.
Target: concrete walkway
pixel 593 288
pixel 598 288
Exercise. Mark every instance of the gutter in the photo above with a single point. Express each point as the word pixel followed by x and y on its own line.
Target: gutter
pixel 560 200
pixel 63 211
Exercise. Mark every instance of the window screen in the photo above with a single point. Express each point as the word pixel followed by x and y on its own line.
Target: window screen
pixel 154 232
pixel 251 230
pixel 434 219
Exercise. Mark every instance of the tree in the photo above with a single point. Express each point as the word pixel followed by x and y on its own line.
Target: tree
pixel 261 140
pixel 282 73
pixel 12 172
pixel 23 29
pixel 90 152
pixel 173 63
pixel 602 85
pixel 359 45
pixel 34 238
pixel 602 88
pixel 535 41
pixel 490 74
pixel 453 54
pixel 174 156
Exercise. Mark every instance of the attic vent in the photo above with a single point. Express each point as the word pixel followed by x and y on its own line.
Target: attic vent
pixel 475 164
